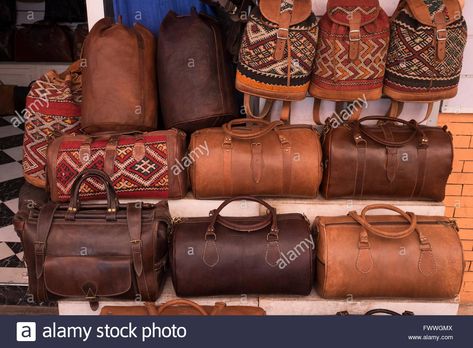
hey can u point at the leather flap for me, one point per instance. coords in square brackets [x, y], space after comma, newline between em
[340, 11]
[85, 276]
[421, 11]
[271, 9]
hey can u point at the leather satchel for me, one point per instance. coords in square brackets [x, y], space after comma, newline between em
[140, 165]
[180, 307]
[119, 79]
[403, 161]
[405, 256]
[193, 67]
[262, 159]
[94, 251]
[218, 255]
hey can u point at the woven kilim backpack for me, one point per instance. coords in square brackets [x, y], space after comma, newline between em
[53, 108]
[351, 53]
[425, 56]
[277, 54]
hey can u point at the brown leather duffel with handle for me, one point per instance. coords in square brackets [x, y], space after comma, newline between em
[405, 256]
[405, 161]
[181, 307]
[119, 79]
[94, 251]
[216, 255]
[261, 159]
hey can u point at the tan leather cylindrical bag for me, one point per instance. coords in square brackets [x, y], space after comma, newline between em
[259, 159]
[119, 79]
[404, 256]
[182, 307]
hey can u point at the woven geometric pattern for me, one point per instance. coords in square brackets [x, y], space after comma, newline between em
[53, 109]
[147, 178]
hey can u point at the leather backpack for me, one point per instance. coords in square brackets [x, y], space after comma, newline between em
[425, 56]
[351, 53]
[119, 79]
[277, 54]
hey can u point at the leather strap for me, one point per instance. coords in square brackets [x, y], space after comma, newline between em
[355, 35]
[268, 105]
[392, 163]
[421, 171]
[133, 215]
[360, 169]
[257, 162]
[45, 220]
[109, 158]
[252, 133]
[227, 165]
[440, 35]
[428, 113]
[286, 149]
[282, 36]
[395, 109]
[181, 302]
[285, 111]
[316, 111]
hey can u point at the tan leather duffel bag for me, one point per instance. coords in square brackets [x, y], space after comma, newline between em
[405, 256]
[180, 307]
[261, 159]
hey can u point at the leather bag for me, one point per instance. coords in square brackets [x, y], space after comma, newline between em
[94, 251]
[261, 159]
[270, 254]
[7, 100]
[180, 307]
[140, 165]
[404, 161]
[43, 42]
[119, 78]
[277, 32]
[405, 255]
[193, 67]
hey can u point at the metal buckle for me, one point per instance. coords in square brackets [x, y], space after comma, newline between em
[282, 37]
[358, 36]
[441, 31]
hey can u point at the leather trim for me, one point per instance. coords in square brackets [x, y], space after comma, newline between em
[420, 11]
[270, 9]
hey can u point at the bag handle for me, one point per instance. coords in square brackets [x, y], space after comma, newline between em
[112, 200]
[266, 127]
[388, 311]
[174, 303]
[362, 220]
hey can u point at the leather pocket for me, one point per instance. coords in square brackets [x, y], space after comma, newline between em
[87, 276]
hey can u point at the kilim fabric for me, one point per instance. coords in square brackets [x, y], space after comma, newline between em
[338, 76]
[52, 109]
[414, 70]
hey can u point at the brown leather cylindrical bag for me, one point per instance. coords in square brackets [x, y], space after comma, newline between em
[402, 255]
[119, 79]
[216, 255]
[261, 159]
[182, 307]
[394, 159]
[196, 85]
[91, 251]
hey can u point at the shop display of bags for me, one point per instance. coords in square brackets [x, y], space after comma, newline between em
[119, 79]
[53, 108]
[264, 159]
[196, 87]
[180, 307]
[112, 250]
[276, 33]
[404, 161]
[141, 165]
[388, 256]
[351, 53]
[242, 255]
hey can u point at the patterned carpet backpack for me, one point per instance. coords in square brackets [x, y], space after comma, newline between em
[277, 54]
[428, 38]
[52, 109]
[351, 53]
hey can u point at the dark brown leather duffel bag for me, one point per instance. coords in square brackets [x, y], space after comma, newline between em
[195, 80]
[264, 159]
[218, 255]
[119, 79]
[181, 307]
[386, 161]
[94, 251]
[404, 256]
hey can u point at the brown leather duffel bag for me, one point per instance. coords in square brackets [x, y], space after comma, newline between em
[386, 161]
[405, 256]
[94, 251]
[180, 307]
[119, 79]
[264, 159]
[196, 86]
[217, 255]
